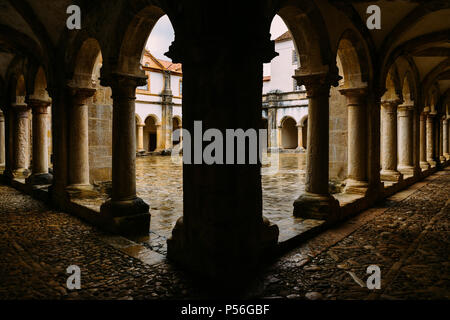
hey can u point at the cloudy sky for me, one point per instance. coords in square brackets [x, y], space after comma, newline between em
[162, 36]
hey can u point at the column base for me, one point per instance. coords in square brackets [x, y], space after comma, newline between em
[316, 206]
[406, 170]
[37, 179]
[442, 159]
[424, 165]
[300, 149]
[128, 217]
[391, 175]
[203, 259]
[356, 187]
[432, 163]
[21, 173]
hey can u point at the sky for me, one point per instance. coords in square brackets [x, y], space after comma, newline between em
[162, 36]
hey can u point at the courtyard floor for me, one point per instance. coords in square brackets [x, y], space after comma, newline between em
[407, 236]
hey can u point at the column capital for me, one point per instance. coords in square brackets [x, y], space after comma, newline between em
[316, 84]
[424, 115]
[354, 95]
[406, 107]
[431, 116]
[21, 109]
[391, 105]
[140, 125]
[80, 95]
[38, 106]
[124, 85]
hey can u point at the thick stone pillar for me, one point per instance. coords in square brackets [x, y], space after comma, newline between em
[431, 140]
[40, 174]
[357, 181]
[21, 137]
[445, 138]
[2, 140]
[79, 140]
[389, 142]
[222, 234]
[140, 137]
[316, 202]
[423, 141]
[405, 139]
[129, 214]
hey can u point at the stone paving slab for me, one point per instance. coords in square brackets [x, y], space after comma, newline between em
[407, 236]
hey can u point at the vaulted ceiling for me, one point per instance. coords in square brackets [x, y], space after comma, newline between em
[419, 29]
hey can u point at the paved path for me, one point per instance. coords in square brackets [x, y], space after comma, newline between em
[407, 237]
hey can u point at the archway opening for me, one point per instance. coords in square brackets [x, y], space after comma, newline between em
[289, 137]
[150, 135]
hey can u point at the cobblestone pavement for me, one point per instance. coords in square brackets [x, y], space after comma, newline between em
[409, 240]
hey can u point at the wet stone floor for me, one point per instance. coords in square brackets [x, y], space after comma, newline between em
[159, 183]
[407, 236]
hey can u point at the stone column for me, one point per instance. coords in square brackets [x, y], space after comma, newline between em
[140, 137]
[300, 138]
[431, 140]
[442, 140]
[2, 140]
[79, 140]
[405, 139]
[389, 141]
[272, 130]
[316, 202]
[129, 214]
[423, 141]
[40, 174]
[357, 181]
[21, 136]
[446, 138]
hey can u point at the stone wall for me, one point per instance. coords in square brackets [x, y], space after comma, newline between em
[100, 136]
[338, 135]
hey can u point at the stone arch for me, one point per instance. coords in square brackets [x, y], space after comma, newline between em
[134, 39]
[88, 55]
[408, 89]
[138, 119]
[289, 133]
[40, 85]
[152, 133]
[179, 120]
[20, 89]
[354, 60]
[392, 85]
[310, 35]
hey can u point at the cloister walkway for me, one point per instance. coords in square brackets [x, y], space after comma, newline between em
[407, 236]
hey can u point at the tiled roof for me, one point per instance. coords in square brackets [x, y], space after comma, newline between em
[150, 61]
[285, 36]
[266, 78]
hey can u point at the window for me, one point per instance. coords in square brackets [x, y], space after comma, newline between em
[294, 57]
[181, 87]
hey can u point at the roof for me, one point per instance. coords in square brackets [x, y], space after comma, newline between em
[150, 61]
[284, 37]
[266, 78]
